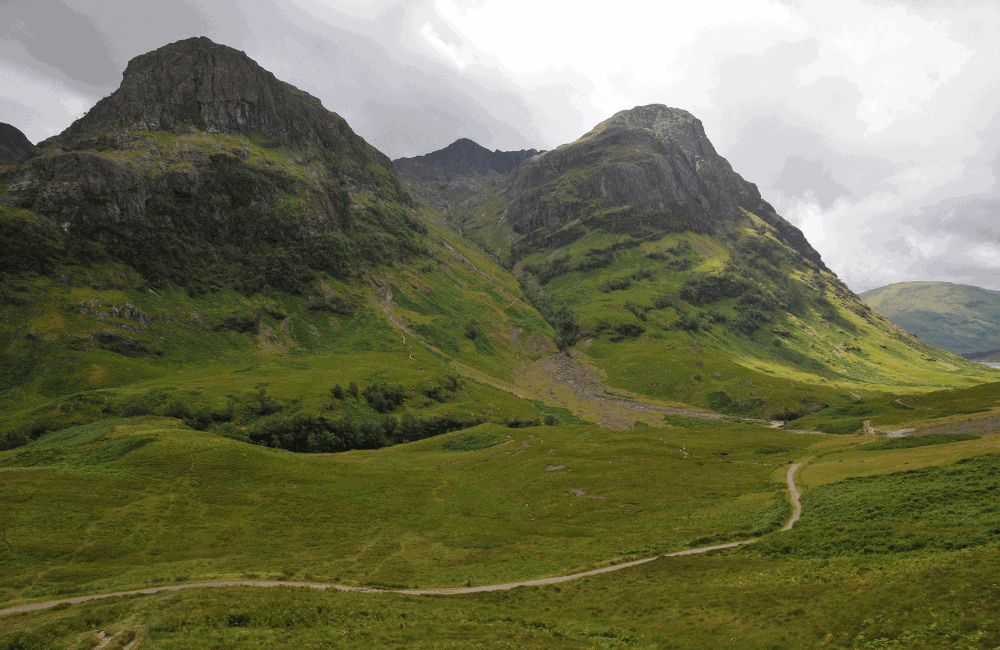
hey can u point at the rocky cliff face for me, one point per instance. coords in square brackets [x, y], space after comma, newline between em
[459, 171]
[197, 85]
[649, 164]
[203, 165]
[462, 157]
[14, 146]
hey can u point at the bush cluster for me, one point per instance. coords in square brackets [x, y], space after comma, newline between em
[561, 318]
[304, 433]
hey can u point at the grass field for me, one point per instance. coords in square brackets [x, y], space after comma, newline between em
[142, 502]
[127, 503]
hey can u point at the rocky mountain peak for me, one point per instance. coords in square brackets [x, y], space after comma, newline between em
[198, 85]
[675, 124]
[647, 165]
[461, 157]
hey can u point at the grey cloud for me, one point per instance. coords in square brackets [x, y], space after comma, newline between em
[898, 246]
[787, 137]
[15, 112]
[53, 34]
[974, 219]
[800, 176]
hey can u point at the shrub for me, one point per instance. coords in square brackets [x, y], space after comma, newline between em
[909, 442]
[337, 391]
[352, 388]
[636, 310]
[616, 284]
[136, 409]
[261, 403]
[383, 398]
[177, 409]
[520, 424]
[471, 331]
[841, 426]
[633, 330]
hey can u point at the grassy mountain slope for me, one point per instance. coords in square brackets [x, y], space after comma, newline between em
[237, 264]
[956, 317]
[667, 271]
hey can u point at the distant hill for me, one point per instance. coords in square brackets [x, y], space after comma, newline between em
[14, 145]
[956, 317]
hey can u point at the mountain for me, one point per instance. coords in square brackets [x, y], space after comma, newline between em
[209, 226]
[461, 158]
[661, 267]
[14, 145]
[649, 168]
[464, 182]
[204, 170]
[959, 318]
[210, 240]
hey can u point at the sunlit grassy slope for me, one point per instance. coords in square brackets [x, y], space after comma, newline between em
[80, 327]
[642, 312]
[956, 317]
[144, 502]
[121, 503]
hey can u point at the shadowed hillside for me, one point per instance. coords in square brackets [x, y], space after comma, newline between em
[14, 146]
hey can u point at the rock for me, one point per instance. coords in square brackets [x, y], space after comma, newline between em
[203, 169]
[647, 169]
[461, 158]
[197, 85]
[14, 145]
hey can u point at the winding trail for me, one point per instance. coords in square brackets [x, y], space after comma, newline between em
[796, 513]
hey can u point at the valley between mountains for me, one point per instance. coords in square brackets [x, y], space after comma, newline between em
[549, 399]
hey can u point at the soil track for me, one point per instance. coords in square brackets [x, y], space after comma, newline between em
[564, 381]
[796, 512]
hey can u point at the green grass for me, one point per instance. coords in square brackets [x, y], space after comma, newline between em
[901, 559]
[108, 507]
[944, 508]
[910, 442]
[463, 442]
[930, 600]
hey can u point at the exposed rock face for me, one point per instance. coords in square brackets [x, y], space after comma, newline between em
[202, 162]
[197, 85]
[14, 145]
[654, 160]
[459, 171]
[462, 157]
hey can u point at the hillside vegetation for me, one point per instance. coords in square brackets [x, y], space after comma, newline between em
[956, 317]
[237, 346]
[660, 266]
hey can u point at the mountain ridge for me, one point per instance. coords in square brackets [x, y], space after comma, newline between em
[463, 156]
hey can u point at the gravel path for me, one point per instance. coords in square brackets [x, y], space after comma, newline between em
[796, 513]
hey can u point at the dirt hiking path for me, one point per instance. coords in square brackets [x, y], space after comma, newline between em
[796, 513]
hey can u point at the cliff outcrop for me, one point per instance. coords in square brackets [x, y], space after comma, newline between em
[646, 165]
[204, 168]
[14, 145]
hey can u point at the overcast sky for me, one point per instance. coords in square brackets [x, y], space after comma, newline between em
[872, 125]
